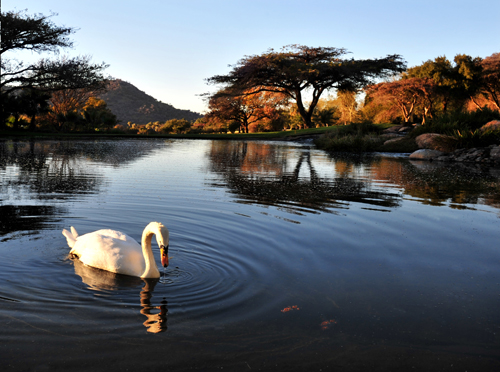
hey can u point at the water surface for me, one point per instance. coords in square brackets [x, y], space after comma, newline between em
[392, 264]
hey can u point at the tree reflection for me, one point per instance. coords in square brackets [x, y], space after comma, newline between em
[28, 217]
[440, 184]
[37, 175]
[275, 175]
[101, 280]
[41, 170]
[272, 175]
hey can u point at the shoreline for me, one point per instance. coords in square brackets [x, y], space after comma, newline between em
[489, 156]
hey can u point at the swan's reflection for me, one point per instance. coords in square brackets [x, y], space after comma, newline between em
[157, 321]
[101, 280]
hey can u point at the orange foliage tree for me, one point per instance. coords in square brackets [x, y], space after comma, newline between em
[490, 87]
[245, 109]
[405, 94]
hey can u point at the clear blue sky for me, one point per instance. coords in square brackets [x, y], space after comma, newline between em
[168, 48]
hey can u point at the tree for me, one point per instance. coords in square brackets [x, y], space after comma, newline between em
[347, 105]
[29, 103]
[245, 109]
[440, 71]
[36, 103]
[426, 89]
[454, 83]
[409, 95]
[326, 112]
[490, 79]
[36, 33]
[98, 115]
[401, 93]
[324, 116]
[298, 69]
[176, 126]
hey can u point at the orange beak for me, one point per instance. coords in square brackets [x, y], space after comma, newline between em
[164, 256]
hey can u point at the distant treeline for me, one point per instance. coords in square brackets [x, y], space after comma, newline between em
[296, 87]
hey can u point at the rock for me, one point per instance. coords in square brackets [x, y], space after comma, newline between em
[390, 135]
[435, 141]
[492, 125]
[405, 130]
[443, 158]
[425, 154]
[392, 140]
[393, 129]
[495, 153]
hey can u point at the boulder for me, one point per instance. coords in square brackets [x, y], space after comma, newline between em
[394, 129]
[495, 153]
[435, 141]
[492, 125]
[387, 136]
[425, 154]
[392, 140]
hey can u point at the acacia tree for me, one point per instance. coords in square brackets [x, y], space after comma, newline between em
[298, 69]
[37, 33]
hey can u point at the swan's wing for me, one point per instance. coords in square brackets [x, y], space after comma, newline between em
[70, 238]
[110, 250]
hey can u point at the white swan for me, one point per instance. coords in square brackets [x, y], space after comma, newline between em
[117, 252]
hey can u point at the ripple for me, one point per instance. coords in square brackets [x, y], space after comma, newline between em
[206, 280]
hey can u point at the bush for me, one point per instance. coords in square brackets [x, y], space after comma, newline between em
[477, 138]
[350, 143]
[464, 126]
[357, 137]
[458, 121]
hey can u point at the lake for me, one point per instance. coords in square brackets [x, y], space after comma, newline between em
[282, 258]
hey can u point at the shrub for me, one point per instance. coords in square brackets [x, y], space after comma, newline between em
[476, 138]
[358, 137]
[350, 143]
[458, 121]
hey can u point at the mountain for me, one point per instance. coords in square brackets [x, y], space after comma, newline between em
[129, 103]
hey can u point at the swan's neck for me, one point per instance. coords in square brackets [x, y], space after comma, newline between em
[151, 270]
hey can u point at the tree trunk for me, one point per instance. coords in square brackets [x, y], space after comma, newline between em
[305, 115]
[475, 103]
[32, 125]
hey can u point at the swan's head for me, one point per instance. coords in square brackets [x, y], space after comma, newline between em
[162, 238]
[164, 255]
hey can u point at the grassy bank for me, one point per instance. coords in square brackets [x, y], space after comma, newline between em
[463, 128]
[226, 136]
[358, 137]
[363, 137]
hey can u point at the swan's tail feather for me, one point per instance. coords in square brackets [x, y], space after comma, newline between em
[70, 236]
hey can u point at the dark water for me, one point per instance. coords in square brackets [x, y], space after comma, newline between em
[394, 265]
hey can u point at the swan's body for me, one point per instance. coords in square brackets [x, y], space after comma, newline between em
[117, 252]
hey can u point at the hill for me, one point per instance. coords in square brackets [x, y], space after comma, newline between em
[129, 103]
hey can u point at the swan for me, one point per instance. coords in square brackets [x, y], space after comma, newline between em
[117, 252]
